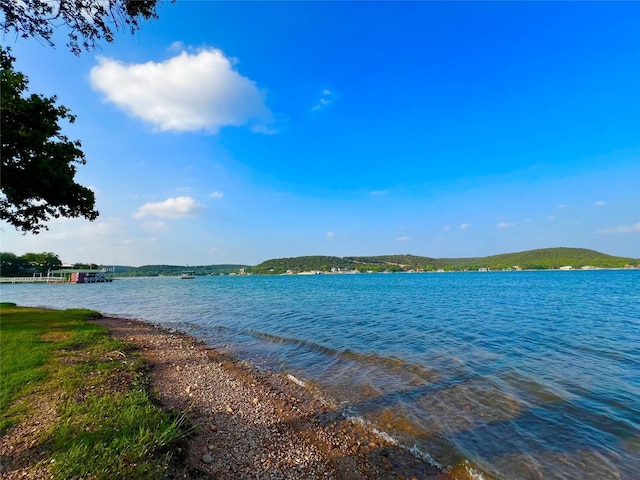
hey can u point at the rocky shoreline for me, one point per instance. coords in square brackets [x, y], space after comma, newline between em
[250, 424]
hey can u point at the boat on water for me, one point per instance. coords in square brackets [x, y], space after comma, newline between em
[187, 275]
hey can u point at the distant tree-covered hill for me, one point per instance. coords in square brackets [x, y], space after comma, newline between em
[545, 258]
[175, 270]
[301, 264]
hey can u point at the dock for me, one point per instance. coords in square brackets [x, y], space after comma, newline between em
[65, 275]
[32, 280]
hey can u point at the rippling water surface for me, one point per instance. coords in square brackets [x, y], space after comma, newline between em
[506, 374]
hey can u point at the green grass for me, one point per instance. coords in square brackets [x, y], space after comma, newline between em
[105, 424]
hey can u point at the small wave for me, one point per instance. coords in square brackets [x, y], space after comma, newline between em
[414, 450]
[392, 364]
[424, 456]
[292, 341]
[297, 381]
[467, 471]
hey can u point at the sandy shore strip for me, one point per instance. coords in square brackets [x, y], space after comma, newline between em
[251, 424]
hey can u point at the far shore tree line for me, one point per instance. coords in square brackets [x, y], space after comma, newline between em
[540, 259]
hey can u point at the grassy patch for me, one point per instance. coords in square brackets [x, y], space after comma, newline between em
[80, 396]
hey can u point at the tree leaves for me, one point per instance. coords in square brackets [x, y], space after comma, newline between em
[88, 21]
[38, 161]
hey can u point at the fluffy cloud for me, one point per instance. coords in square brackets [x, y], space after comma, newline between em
[189, 92]
[330, 234]
[155, 225]
[326, 99]
[622, 229]
[465, 226]
[64, 229]
[171, 208]
[216, 194]
[403, 239]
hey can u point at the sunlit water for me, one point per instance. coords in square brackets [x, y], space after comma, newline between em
[521, 375]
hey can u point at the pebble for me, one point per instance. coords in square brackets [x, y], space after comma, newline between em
[266, 445]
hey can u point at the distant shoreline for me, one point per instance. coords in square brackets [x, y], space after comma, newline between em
[557, 258]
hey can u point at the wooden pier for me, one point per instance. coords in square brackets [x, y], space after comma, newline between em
[32, 280]
[66, 275]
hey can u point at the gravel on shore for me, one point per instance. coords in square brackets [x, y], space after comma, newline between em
[251, 424]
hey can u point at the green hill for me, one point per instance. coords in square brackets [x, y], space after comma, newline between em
[545, 258]
[549, 258]
[175, 270]
[301, 264]
[540, 259]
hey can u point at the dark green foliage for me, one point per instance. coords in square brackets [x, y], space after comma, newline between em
[394, 263]
[87, 21]
[301, 264]
[38, 161]
[28, 264]
[87, 266]
[42, 262]
[543, 258]
[10, 264]
[175, 270]
[546, 258]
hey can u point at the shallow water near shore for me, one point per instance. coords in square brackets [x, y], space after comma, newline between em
[505, 374]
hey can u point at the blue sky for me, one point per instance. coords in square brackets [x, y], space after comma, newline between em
[238, 132]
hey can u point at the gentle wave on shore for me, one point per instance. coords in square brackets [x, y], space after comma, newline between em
[509, 374]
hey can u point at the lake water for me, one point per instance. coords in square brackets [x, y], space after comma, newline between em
[508, 375]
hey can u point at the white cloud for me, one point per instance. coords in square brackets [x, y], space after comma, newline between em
[155, 225]
[465, 226]
[330, 234]
[263, 129]
[188, 92]
[171, 208]
[65, 229]
[176, 46]
[622, 229]
[216, 194]
[326, 99]
[403, 239]
[505, 225]
[599, 203]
